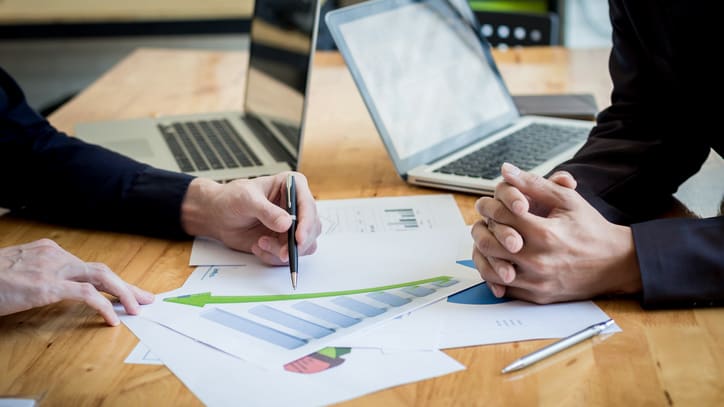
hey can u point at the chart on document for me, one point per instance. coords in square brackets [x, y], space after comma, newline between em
[351, 216]
[393, 214]
[270, 330]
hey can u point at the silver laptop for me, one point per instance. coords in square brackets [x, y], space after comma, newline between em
[437, 99]
[263, 139]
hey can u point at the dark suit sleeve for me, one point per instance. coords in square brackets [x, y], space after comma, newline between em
[50, 176]
[681, 261]
[646, 144]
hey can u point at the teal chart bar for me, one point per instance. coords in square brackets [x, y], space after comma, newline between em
[418, 291]
[326, 314]
[255, 329]
[358, 306]
[389, 299]
[291, 321]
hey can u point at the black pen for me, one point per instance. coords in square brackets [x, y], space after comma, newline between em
[292, 240]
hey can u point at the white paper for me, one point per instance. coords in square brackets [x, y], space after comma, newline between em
[247, 331]
[389, 214]
[142, 355]
[218, 379]
[347, 261]
[404, 333]
[206, 251]
[364, 215]
[469, 325]
[476, 317]
[463, 325]
[16, 402]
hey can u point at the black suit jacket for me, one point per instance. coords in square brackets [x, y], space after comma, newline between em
[658, 132]
[46, 175]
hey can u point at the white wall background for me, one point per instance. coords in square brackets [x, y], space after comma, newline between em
[586, 24]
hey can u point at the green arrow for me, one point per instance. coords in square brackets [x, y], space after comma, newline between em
[201, 299]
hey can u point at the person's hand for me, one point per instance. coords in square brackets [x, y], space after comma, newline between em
[569, 253]
[250, 215]
[509, 237]
[41, 273]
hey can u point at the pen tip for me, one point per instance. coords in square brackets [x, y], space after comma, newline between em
[294, 280]
[517, 365]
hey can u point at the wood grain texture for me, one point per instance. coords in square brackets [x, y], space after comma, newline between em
[64, 354]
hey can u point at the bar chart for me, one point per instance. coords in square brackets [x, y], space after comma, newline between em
[291, 325]
[275, 329]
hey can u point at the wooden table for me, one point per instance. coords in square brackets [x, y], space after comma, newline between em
[64, 354]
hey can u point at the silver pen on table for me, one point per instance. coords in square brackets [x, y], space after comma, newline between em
[558, 346]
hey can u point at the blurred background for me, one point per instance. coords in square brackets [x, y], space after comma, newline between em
[56, 48]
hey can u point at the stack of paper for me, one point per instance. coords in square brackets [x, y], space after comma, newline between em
[235, 327]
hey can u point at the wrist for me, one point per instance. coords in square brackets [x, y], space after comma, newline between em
[625, 268]
[197, 207]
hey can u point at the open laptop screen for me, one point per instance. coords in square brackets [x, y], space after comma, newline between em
[426, 75]
[282, 43]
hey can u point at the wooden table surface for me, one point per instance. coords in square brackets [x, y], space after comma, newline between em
[65, 355]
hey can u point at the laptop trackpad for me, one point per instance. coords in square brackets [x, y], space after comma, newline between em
[134, 147]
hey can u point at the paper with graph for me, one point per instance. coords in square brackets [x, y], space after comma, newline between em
[328, 376]
[270, 330]
[363, 215]
[377, 259]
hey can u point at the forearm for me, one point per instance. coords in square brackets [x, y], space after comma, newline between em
[55, 178]
[681, 262]
[49, 176]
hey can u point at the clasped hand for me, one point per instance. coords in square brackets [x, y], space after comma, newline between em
[541, 241]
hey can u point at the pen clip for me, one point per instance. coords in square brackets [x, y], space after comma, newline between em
[289, 190]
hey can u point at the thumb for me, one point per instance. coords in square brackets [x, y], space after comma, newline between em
[271, 215]
[537, 188]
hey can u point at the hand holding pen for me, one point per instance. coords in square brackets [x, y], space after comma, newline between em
[251, 215]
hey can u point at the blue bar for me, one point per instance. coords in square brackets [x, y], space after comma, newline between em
[446, 283]
[389, 299]
[357, 306]
[254, 329]
[325, 314]
[418, 291]
[292, 322]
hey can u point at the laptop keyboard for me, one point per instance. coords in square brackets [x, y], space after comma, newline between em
[268, 138]
[207, 144]
[527, 148]
[290, 133]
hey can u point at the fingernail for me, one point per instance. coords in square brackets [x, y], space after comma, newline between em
[510, 243]
[497, 291]
[509, 276]
[264, 244]
[518, 207]
[510, 170]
